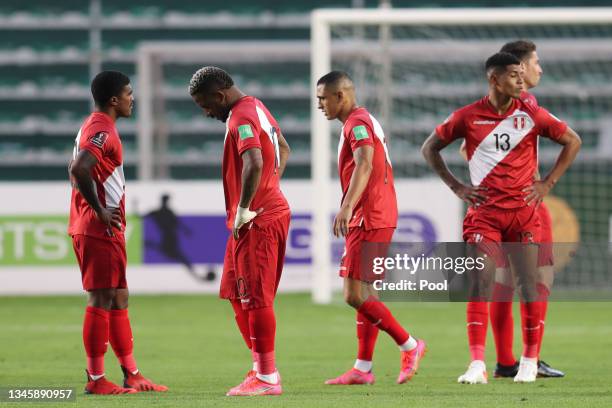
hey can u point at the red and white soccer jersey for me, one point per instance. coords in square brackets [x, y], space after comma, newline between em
[375, 213]
[251, 125]
[501, 149]
[100, 254]
[253, 263]
[377, 206]
[99, 136]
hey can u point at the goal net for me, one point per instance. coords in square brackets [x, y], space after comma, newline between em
[413, 67]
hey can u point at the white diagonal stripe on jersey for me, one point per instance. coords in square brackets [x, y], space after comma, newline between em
[114, 188]
[340, 143]
[229, 115]
[487, 156]
[380, 134]
[77, 142]
[267, 127]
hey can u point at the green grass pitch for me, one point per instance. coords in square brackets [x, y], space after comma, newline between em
[191, 344]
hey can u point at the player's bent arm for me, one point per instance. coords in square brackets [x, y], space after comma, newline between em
[431, 152]
[80, 170]
[363, 157]
[284, 151]
[252, 167]
[571, 143]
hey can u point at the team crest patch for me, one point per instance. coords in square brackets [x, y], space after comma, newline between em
[245, 132]
[520, 122]
[99, 139]
[360, 132]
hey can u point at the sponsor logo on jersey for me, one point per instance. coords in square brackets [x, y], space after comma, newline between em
[484, 122]
[360, 132]
[99, 139]
[245, 132]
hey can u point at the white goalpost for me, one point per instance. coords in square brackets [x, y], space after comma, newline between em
[415, 66]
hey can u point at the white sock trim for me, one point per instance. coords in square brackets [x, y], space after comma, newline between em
[532, 360]
[410, 344]
[269, 378]
[363, 365]
[478, 363]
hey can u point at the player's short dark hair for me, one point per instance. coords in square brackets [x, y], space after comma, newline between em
[209, 79]
[333, 77]
[499, 61]
[106, 85]
[521, 49]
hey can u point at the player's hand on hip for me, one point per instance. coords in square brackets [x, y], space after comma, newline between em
[536, 192]
[243, 216]
[111, 218]
[472, 195]
[342, 220]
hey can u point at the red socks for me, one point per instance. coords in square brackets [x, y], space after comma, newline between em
[242, 319]
[367, 334]
[378, 314]
[533, 316]
[262, 327]
[121, 338]
[502, 323]
[101, 327]
[258, 329]
[543, 293]
[95, 338]
[530, 323]
[477, 317]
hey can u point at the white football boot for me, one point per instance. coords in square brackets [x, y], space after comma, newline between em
[528, 370]
[475, 374]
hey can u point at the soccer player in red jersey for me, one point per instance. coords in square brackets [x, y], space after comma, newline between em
[97, 224]
[501, 312]
[501, 132]
[254, 158]
[368, 214]
[500, 309]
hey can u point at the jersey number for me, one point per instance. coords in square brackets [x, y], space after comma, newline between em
[502, 142]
